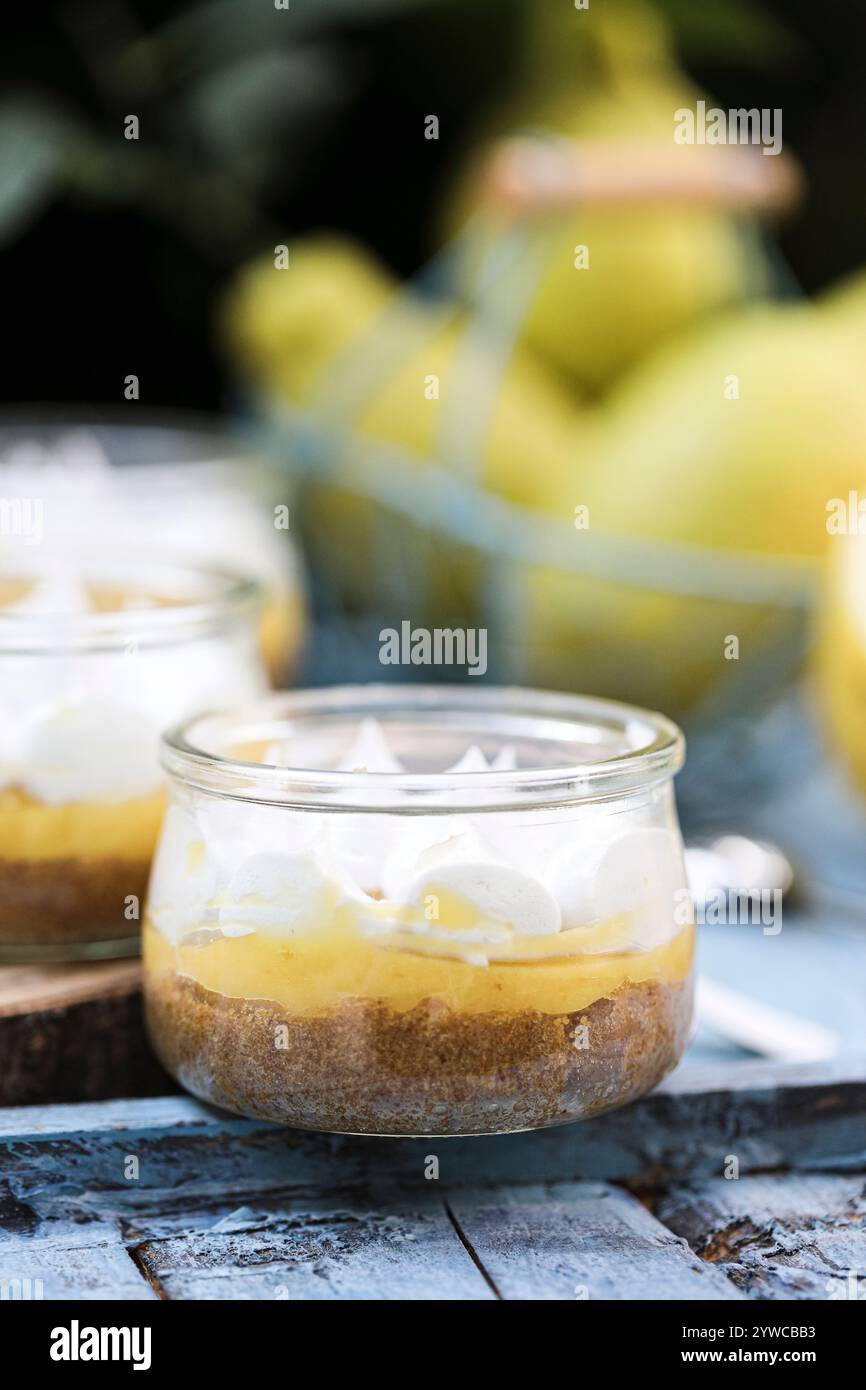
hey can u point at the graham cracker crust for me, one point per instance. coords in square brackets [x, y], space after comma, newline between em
[67, 901]
[366, 1069]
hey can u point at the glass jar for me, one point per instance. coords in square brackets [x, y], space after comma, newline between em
[420, 910]
[176, 484]
[98, 655]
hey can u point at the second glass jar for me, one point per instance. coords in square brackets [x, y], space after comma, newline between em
[98, 653]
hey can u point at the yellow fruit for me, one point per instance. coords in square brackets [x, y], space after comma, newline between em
[841, 664]
[649, 276]
[377, 370]
[613, 283]
[736, 436]
[284, 326]
[845, 301]
[335, 333]
[844, 308]
[704, 501]
[649, 269]
[627, 636]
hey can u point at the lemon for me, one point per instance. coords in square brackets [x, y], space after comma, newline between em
[610, 281]
[714, 464]
[402, 393]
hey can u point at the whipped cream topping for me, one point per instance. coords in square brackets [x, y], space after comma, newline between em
[480, 888]
[88, 727]
[199, 511]
[370, 751]
[85, 725]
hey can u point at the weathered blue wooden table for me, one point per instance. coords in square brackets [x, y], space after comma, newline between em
[169, 1199]
[166, 1198]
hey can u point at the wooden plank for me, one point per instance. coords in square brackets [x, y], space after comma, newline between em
[74, 1032]
[219, 1207]
[57, 1271]
[178, 1171]
[44, 1123]
[778, 1237]
[27, 989]
[580, 1241]
[804, 1117]
[320, 1250]
[67, 1220]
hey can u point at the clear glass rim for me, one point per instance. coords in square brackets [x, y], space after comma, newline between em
[659, 754]
[32, 633]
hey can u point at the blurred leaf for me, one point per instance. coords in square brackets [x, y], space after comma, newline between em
[242, 112]
[225, 29]
[736, 31]
[32, 145]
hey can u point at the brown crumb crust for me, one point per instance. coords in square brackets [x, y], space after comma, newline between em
[66, 901]
[366, 1069]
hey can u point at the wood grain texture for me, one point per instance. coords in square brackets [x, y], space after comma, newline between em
[102, 1270]
[778, 1236]
[74, 1032]
[805, 1117]
[580, 1241]
[169, 1198]
[320, 1250]
[26, 989]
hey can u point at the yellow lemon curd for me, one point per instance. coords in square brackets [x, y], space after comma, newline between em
[31, 829]
[280, 630]
[317, 970]
[84, 830]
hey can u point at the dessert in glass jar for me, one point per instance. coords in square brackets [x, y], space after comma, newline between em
[187, 489]
[420, 910]
[97, 655]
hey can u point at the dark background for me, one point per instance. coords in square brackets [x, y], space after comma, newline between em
[99, 278]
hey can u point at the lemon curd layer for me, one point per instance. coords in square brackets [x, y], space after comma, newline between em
[280, 628]
[100, 598]
[313, 973]
[85, 830]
